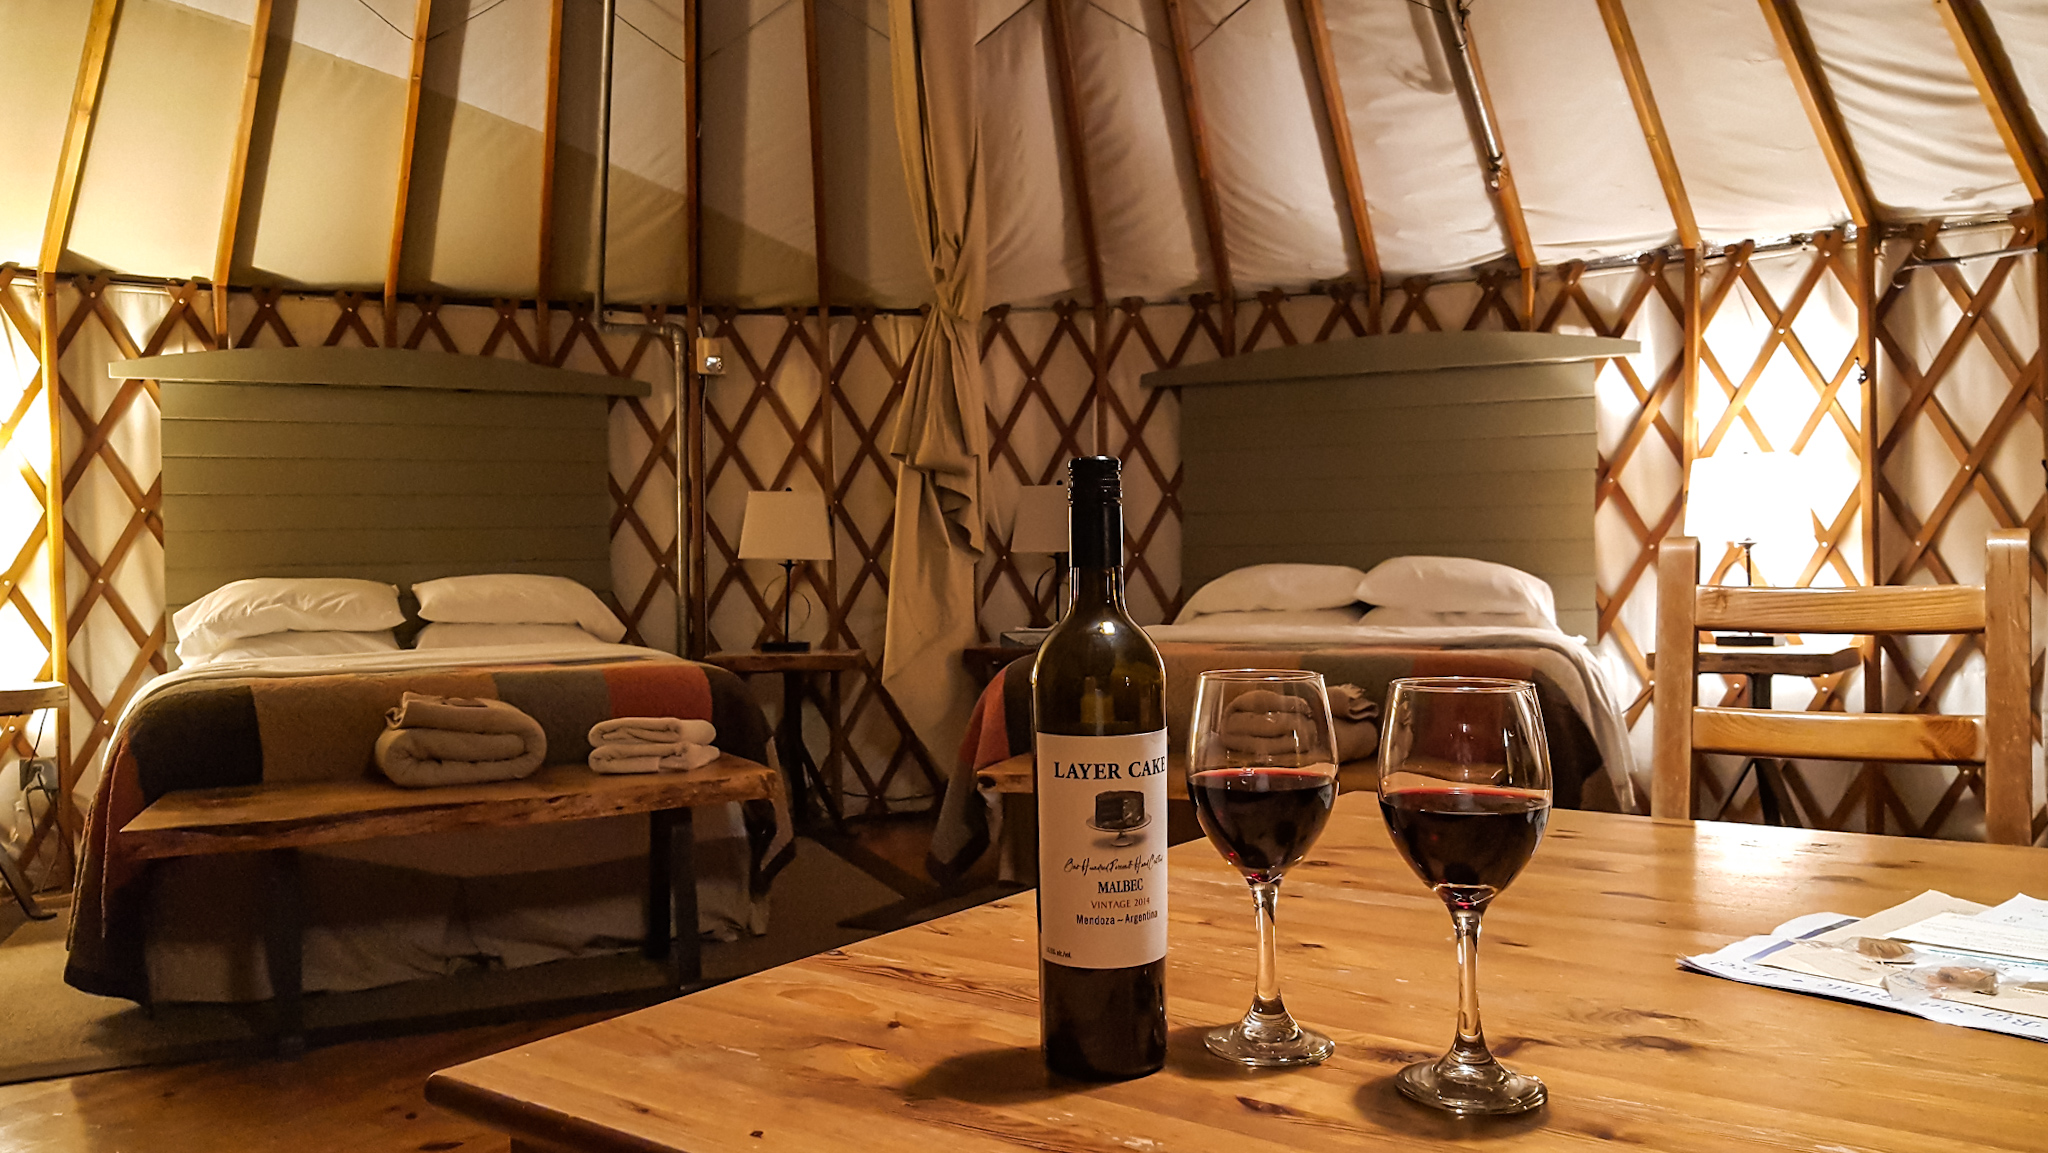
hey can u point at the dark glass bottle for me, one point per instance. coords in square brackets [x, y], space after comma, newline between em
[1099, 697]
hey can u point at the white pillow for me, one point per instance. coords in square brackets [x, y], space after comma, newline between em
[1452, 584]
[517, 599]
[1326, 618]
[264, 605]
[1275, 588]
[467, 636]
[290, 644]
[1393, 618]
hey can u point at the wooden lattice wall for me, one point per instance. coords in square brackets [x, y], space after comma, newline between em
[1957, 450]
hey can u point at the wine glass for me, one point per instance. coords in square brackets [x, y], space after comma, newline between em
[1465, 788]
[1262, 772]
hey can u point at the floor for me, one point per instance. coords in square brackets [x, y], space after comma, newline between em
[358, 1096]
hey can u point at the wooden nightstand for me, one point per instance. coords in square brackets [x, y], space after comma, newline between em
[1757, 664]
[983, 662]
[19, 701]
[796, 670]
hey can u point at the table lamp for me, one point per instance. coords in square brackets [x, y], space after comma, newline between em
[1042, 528]
[786, 526]
[1746, 497]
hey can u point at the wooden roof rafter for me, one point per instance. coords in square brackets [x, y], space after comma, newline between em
[1205, 177]
[417, 73]
[1990, 70]
[238, 172]
[1455, 28]
[1795, 45]
[78, 126]
[1338, 116]
[1615, 16]
[544, 249]
[1068, 84]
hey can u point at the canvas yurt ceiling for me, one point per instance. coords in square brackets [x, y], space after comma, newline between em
[324, 162]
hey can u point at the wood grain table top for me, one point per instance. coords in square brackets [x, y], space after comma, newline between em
[927, 1038]
[193, 822]
[20, 699]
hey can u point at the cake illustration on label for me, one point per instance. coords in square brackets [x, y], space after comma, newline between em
[1121, 812]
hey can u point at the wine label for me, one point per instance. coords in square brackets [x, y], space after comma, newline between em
[1102, 850]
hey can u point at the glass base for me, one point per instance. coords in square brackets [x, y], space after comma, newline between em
[1281, 1048]
[1488, 1088]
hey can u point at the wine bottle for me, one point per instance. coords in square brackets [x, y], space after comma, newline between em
[1098, 692]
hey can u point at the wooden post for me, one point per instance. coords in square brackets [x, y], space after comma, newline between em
[238, 171]
[1678, 576]
[412, 122]
[1205, 179]
[544, 270]
[829, 482]
[1339, 119]
[691, 595]
[1084, 202]
[85, 103]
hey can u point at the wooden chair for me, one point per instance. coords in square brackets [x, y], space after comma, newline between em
[2000, 740]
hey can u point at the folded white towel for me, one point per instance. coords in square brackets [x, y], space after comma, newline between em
[653, 730]
[670, 758]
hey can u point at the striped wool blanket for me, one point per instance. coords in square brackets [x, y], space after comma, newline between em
[1000, 727]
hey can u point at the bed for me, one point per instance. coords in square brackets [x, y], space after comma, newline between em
[1318, 461]
[290, 467]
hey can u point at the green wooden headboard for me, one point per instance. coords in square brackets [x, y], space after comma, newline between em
[385, 464]
[1353, 451]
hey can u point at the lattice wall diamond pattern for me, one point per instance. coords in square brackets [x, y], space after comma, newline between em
[1956, 457]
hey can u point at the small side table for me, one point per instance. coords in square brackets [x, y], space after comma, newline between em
[21, 701]
[983, 662]
[1757, 665]
[796, 669]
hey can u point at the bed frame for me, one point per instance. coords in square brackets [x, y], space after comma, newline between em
[1352, 451]
[385, 464]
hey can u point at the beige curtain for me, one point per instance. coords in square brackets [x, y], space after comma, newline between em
[941, 435]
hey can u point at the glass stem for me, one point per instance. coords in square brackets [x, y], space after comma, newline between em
[1265, 904]
[1470, 1047]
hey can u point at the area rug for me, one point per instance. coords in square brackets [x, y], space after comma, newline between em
[49, 1029]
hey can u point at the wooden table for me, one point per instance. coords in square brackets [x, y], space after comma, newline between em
[280, 819]
[927, 1038]
[1757, 664]
[796, 669]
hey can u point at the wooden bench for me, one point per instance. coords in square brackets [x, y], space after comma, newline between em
[279, 820]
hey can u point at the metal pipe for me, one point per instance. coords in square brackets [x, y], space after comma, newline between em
[677, 337]
[1451, 16]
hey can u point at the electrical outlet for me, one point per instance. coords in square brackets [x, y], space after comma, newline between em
[39, 776]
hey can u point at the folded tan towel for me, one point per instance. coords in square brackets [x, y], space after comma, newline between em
[1357, 718]
[458, 741]
[653, 730]
[1267, 723]
[671, 758]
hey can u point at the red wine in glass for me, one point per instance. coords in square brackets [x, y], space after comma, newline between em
[1263, 819]
[1466, 841]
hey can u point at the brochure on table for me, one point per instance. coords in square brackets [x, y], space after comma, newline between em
[1817, 954]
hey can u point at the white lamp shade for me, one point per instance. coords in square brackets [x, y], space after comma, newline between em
[785, 526]
[1041, 519]
[1765, 497]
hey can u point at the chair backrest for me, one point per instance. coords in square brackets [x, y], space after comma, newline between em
[2000, 740]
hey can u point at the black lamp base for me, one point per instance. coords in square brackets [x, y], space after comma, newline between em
[785, 646]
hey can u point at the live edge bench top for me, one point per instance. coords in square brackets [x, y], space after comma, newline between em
[276, 816]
